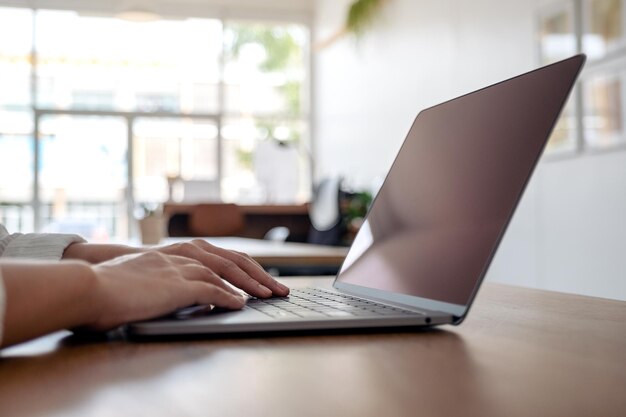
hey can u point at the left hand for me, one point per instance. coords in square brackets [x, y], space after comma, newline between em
[235, 267]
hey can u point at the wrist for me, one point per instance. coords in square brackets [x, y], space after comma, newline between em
[86, 288]
[94, 253]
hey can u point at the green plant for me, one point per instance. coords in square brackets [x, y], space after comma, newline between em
[283, 52]
[357, 205]
[354, 206]
[361, 14]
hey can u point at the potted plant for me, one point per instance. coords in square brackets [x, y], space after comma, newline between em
[151, 223]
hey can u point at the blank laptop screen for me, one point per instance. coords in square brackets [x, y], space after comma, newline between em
[439, 216]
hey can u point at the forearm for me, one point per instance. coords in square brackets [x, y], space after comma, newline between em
[44, 297]
[95, 253]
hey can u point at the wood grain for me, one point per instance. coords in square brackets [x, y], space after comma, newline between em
[521, 352]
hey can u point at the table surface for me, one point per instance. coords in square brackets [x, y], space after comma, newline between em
[269, 253]
[521, 352]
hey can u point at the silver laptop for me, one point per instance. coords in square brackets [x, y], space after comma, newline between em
[433, 229]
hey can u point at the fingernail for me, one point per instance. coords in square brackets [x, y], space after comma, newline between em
[264, 289]
[282, 286]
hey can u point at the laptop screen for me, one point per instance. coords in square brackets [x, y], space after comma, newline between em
[438, 218]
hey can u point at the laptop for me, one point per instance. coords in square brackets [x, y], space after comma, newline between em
[434, 227]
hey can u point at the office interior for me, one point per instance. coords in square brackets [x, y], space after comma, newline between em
[137, 104]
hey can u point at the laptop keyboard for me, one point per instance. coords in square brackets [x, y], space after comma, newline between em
[320, 303]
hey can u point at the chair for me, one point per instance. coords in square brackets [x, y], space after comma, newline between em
[327, 227]
[216, 219]
[277, 234]
[325, 216]
[205, 220]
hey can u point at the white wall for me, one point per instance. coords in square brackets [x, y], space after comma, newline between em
[569, 233]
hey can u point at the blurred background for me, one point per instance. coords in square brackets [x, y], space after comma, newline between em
[110, 105]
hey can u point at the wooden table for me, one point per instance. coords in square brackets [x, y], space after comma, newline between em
[521, 352]
[279, 254]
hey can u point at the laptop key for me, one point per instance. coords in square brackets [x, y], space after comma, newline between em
[281, 314]
[316, 303]
[309, 313]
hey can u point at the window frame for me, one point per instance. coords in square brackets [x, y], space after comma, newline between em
[613, 61]
[224, 16]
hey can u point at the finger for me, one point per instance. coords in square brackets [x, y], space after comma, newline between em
[202, 273]
[252, 268]
[250, 258]
[206, 293]
[232, 273]
[249, 266]
[224, 267]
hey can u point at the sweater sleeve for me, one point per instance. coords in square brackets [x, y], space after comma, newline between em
[48, 246]
[33, 246]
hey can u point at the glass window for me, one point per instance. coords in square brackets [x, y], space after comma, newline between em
[557, 39]
[236, 92]
[16, 170]
[83, 176]
[170, 153]
[604, 26]
[563, 138]
[265, 161]
[16, 28]
[604, 110]
[167, 65]
[264, 69]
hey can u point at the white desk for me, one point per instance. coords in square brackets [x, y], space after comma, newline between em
[278, 254]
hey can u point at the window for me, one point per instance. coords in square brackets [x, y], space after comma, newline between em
[122, 113]
[604, 22]
[16, 29]
[594, 116]
[604, 89]
[264, 86]
[604, 115]
[557, 36]
[83, 178]
[16, 171]
[175, 149]
[16, 120]
[151, 66]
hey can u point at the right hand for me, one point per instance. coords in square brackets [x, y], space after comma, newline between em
[146, 285]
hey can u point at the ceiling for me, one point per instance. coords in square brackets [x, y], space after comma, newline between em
[293, 9]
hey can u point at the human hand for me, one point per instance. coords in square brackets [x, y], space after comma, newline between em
[235, 267]
[145, 285]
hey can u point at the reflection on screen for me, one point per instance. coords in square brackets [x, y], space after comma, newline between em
[448, 197]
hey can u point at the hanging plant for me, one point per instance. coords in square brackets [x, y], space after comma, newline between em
[361, 14]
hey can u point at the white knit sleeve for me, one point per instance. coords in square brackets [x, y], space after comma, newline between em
[35, 245]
